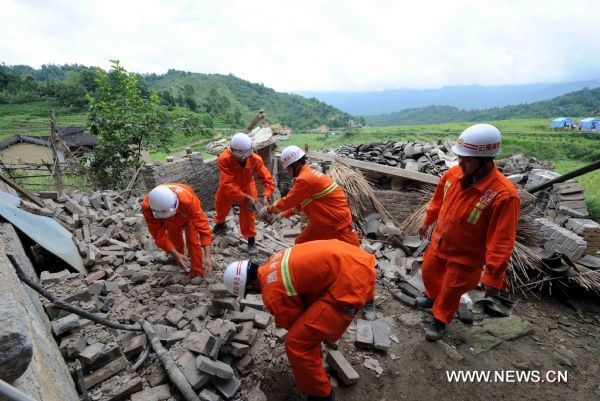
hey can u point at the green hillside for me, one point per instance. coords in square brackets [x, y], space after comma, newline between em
[212, 97]
[585, 102]
[210, 91]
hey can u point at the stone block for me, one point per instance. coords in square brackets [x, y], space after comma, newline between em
[364, 333]
[68, 323]
[261, 319]
[187, 364]
[134, 346]
[49, 278]
[112, 353]
[72, 346]
[95, 276]
[253, 301]
[238, 317]
[226, 303]
[247, 334]
[128, 388]
[223, 329]
[381, 335]
[227, 387]
[219, 290]
[342, 367]
[92, 353]
[203, 343]
[207, 395]
[105, 372]
[158, 393]
[214, 368]
[174, 316]
[281, 333]
[238, 349]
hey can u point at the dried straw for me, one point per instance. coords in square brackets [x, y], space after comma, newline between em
[358, 191]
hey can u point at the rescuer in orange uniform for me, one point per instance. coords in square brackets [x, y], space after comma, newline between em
[321, 199]
[171, 208]
[476, 211]
[237, 166]
[313, 290]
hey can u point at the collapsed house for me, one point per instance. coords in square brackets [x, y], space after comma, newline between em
[220, 345]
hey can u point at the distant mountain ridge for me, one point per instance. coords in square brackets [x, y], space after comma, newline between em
[463, 97]
[224, 97]
[585, 102]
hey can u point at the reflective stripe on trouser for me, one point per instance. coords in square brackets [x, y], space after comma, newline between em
[321, 321]
[445, 282]
[313, 232]
[247, 221]
[192, 239]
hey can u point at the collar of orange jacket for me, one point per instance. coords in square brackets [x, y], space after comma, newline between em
[482, 184]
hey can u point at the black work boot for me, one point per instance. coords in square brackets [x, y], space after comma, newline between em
[424, 302]
[369, 310]
[435, 330]
[252, 246]
[219, 229]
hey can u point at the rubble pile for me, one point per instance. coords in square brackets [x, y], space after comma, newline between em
[565, 225]
[413, 156]
[222, 346]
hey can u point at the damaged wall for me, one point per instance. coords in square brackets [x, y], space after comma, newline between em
[192, 170]
[47, 376]
[400, 204]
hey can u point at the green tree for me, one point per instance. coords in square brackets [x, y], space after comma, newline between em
[126, 123]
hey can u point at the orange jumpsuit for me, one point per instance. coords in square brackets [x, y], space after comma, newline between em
[313, 290]
[475, 227]
[190, 217]
[237, 180]
[325, 204]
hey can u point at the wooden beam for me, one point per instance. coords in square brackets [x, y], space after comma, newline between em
[378, 168]
[20, 190]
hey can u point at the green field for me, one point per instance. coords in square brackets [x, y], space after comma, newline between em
[532, 137]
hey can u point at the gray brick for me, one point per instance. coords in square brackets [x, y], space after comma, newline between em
[340, 365]
[364, 333]
[214, 368]
[228, 388]
[207, 395]
[187, 363]
[381, 335]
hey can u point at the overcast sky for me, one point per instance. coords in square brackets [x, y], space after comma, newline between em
[316, 45]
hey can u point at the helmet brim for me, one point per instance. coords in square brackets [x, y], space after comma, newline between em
[460, 151]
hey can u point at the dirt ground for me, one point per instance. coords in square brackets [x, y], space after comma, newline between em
[562, 339]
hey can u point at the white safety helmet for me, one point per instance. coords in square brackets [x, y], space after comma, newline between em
[235, 277]
[163, 202]
[290, 155]
[479, 140]
[241, 146]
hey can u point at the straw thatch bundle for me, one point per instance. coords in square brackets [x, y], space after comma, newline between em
[358, 191]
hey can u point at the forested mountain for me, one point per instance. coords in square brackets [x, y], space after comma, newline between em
[210, 96]
[585, 102]
[466, 97]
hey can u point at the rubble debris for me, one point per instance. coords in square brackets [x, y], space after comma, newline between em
[416, 156]
[345, 372]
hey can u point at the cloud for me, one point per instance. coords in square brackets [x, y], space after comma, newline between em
[315, 45]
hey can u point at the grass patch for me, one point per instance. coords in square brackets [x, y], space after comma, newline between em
[34, 118]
